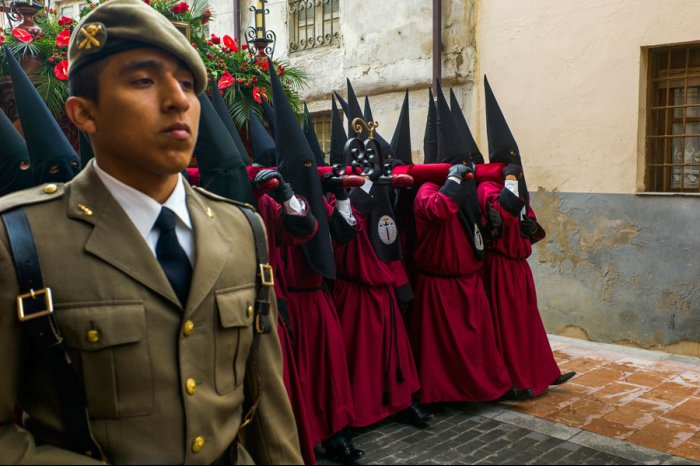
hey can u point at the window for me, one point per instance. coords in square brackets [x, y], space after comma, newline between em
[673, 131]
[313, 23]
[322, 126]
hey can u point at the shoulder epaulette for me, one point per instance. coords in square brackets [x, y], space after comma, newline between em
[32, 196]
[216, 197]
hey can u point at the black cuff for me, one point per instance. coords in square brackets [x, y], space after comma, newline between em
[509, 201]
[404, 293]
[455, 191]
[341, 231]
[299, 225]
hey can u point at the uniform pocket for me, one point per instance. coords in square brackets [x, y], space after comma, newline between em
[234, 335]
[110, 339]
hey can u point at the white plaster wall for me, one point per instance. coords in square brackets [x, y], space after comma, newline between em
[222, 22]
[570, 78]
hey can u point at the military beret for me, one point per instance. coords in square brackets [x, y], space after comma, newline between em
[119, 25]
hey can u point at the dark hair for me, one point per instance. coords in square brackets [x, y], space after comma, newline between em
[84, 83]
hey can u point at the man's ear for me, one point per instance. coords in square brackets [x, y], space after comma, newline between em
[81, 112]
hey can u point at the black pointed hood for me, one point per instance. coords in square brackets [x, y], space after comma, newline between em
[338, 137]
[264, 150]
[269, 115]
[53, 158]
[401, 141]
[450, 144]
[430, 149]
[221, 166]
[502, 145]
[86, 152]
[297, 164]
[15, 164]
[464, 131]
[221, 108]
[353, 112]
[387, 149]
[343, 104]
[312, 139]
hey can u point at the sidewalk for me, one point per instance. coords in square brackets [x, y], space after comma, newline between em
[643, 397]
[625, 406]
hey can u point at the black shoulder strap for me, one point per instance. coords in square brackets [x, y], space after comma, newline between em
[35, 311]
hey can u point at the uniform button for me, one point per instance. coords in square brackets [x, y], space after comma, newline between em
[188, 328]
[250, 311]
[50, 188]
[191, 386]
[93, 336]
[197, 444]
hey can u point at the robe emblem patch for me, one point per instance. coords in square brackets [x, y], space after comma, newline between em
[478, 240]
[387, 230]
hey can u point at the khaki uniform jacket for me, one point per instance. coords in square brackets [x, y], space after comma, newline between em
[158, 379]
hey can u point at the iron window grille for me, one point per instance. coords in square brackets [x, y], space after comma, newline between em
[673, 127]
[313, 23]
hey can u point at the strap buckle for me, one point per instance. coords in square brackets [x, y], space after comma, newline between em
[48, 303]
[267, 276]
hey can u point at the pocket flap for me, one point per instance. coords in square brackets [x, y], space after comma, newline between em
[94, 327]
[235, 306]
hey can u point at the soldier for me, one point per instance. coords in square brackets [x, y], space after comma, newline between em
[154, 285]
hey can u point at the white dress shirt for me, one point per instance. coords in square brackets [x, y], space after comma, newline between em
[143, 211]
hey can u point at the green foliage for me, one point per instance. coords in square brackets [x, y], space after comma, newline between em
[242, 76]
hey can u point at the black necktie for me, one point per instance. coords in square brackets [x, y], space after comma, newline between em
[172, 257]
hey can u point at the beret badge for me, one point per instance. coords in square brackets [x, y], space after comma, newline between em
[93, 37]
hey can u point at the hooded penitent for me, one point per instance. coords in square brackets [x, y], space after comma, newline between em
[463, 129]
[387, 149]
[53, 158]
[376, 205]
[353, 111]
[297, 165]
[15, 164]
[502, 145]
[452, 150]
[430, 136]
[401, 141]
[312, 139]
[343, 104]
[221, 166]
[269, 115]
[219, 104]
[338, 137]
[264, 150]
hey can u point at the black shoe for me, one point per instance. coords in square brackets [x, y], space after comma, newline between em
[340, 448]
[414, 416]
[563, 378]
[516, 394]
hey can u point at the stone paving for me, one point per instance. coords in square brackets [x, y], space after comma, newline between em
[626, 406]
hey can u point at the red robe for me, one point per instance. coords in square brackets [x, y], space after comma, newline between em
[382, 370]
[278, 236]
[319, 347]
[521, 334]
[451, 326]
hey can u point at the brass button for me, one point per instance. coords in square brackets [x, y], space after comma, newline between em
[50, 188]
[93, 336]
[188, 328]
[191, 386]
[250, 311]
[198, 444]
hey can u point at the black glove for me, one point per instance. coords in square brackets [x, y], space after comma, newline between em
[528, 227]
[280, 194]
[334, 185]
[495, 218]
[460, 171]
[513, 169]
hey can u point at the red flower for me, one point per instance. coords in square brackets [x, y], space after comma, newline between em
[65, 21]
[148, 2]
[256, 94]
[215, 39]
[63, 38]
[206, 16]
[181, 7]
[61, 70]
[226, 80]
[22, 35]
[244, 46]
[264, 65]
[230, 43]
[2, 39]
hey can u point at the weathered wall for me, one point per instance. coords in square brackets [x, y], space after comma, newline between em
[620, 268]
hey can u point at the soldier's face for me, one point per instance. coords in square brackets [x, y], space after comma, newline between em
[147, 114]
